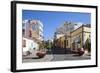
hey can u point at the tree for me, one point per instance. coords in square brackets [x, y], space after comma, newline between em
[41, 45]
[48, 44]
[88, 45]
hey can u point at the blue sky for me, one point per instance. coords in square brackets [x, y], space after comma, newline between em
[52, 20]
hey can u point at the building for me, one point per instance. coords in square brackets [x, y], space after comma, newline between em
[72, 36]
[62, 35]
[79, 36]
[32, 34]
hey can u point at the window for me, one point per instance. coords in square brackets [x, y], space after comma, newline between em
[23, 32]
[34, 27]
[23, 25]
[67, 42]
[41, 35]
[31, 44]
[30, 33]
[23, 43]
[89, 36]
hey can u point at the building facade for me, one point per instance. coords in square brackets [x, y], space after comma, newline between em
[64, 33]
[74, 37]
[79, 37]
[32, 34]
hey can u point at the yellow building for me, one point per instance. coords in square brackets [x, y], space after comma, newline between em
[59, 42]
[79, 37]
[74, 39]
[63, 42]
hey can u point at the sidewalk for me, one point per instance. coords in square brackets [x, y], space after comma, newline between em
[33, 58]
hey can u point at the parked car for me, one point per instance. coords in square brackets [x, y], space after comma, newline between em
[81, 51]
[41, 53]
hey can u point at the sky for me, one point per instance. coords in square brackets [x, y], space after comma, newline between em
[53, 20]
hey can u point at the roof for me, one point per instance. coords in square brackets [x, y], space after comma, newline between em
[87, 25]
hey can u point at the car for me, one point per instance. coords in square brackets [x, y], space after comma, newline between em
[80, 51]
[40, 53]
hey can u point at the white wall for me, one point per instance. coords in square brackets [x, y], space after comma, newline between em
[5, 37]
[30, 44]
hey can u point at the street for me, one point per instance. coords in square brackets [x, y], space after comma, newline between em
[55, 57]
[69, 57]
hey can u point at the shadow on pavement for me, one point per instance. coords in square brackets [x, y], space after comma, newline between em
[31, 58]
[59, 51]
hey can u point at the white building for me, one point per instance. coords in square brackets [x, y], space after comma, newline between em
[32, 35]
